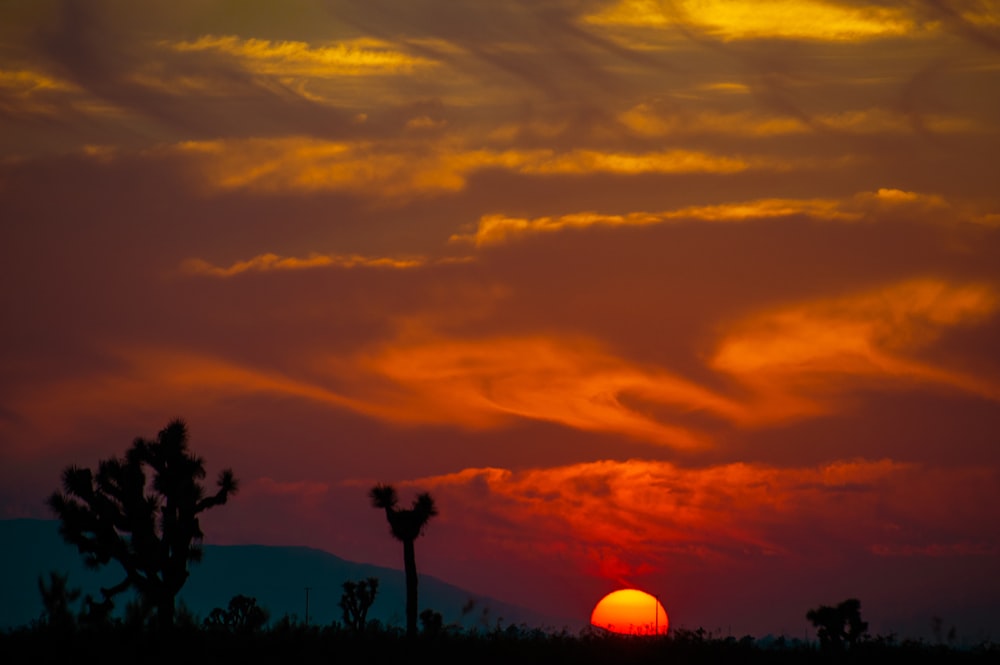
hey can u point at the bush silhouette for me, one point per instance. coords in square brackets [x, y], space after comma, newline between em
[243, 614]
[840, 625]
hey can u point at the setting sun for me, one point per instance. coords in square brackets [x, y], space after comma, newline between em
[630, 612]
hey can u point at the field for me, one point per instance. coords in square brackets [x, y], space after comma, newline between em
[287, 642]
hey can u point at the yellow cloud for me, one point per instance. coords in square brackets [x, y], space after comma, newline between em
[406, 168]
[496, 229]
[360, 57]
[646, 120]
[304, 164]
[670, 161]
[268, 262]
[865, 206]
[763, 19]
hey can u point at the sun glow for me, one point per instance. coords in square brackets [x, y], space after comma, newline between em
[630, 612]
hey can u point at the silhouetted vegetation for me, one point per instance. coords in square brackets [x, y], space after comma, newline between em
[57, 600]
[289, 640]
[840, 626]
[355, 601]
[406, 525]
[148, 525]
[431, 623]
[243, 614]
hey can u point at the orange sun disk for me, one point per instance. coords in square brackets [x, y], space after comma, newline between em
[630, 612]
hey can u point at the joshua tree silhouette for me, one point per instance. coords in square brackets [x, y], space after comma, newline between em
[150, 528]
[356, 600]
[406, 526]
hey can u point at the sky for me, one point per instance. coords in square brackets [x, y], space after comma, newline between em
[697, 297]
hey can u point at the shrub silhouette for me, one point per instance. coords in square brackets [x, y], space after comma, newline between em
[431, 622]
[355, 601]
[148, 525]
[243, 614]
[57, 598]
[406, 526]
[838, 625]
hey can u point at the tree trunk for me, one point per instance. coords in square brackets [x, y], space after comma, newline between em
[410, 563]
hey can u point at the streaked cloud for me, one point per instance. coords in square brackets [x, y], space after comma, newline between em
[304, 164]
[767, 19]
[495, 228]
[670, 161]
[802, 358]
[647, 120]
[405, 168]
[566, 380]
[360, 57]
[268, 262]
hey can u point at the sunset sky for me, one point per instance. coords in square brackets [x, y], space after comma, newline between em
[700, 297]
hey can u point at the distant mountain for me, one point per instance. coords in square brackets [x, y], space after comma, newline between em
[276, 576]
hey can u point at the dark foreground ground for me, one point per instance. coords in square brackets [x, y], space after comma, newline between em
[294, 644]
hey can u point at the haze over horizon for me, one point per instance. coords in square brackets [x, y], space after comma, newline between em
[699, 297]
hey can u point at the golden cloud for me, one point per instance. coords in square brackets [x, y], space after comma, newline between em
[496, 229]
[763, 19]
[270, 262]
[361, 57]
[305, 164]
[671, 161]
[406, 168]
[647, 120]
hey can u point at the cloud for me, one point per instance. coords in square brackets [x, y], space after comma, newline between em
[401, 168]
[652, 120]
[670, 161]
[395, 169]
[177, 378]
[271, 262]
[866, 206]
[654, 515]
[764, 19]
[571, 381]
[796, 357]
[360, 57]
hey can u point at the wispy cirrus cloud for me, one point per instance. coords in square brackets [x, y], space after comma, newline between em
[359, 57]
[801, 358]
[571, 381]
[497, 228]
[648, 120]
[412, 167]
[769, 19]
[273, 262]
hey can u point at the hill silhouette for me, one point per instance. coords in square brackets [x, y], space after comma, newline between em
[276, 576]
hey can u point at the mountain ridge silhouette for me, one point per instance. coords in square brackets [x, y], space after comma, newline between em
[277, 576]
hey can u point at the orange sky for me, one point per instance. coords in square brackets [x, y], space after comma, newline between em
[701, 297]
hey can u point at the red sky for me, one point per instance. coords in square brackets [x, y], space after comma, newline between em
[700, 297]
